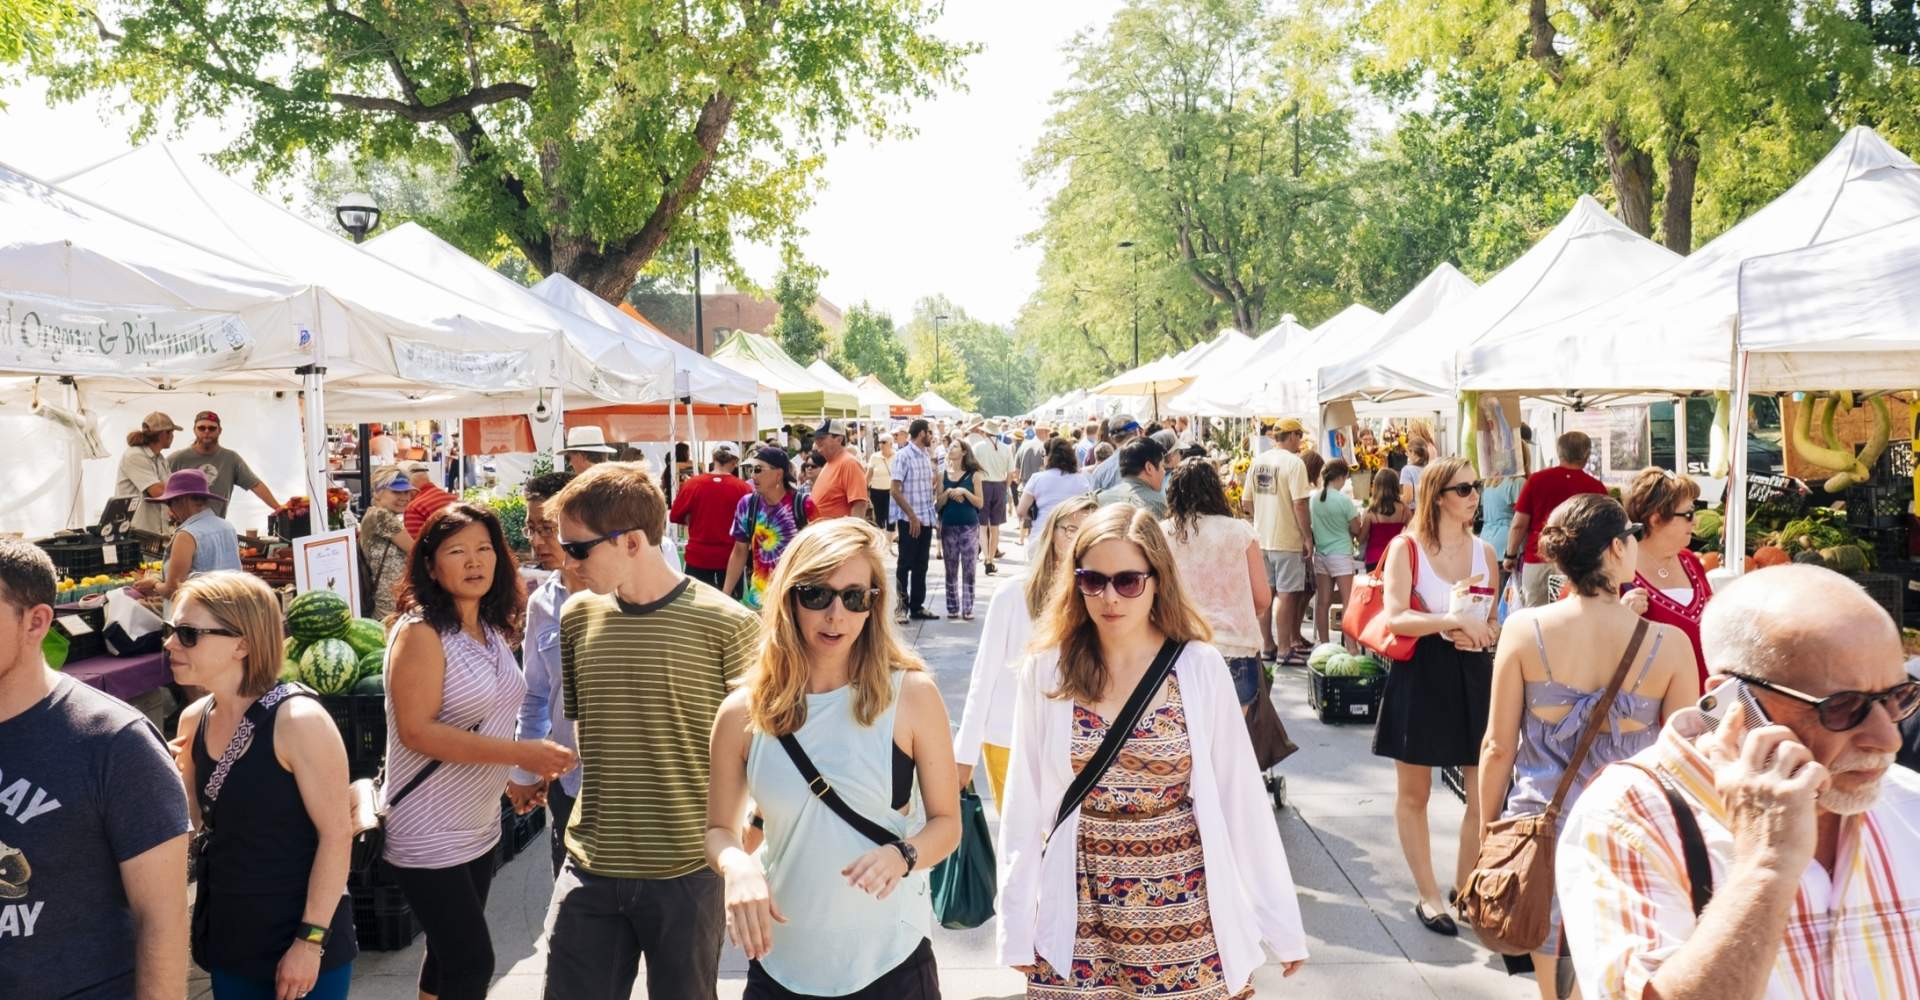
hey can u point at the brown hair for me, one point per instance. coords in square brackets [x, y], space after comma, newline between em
[243, 603]
[1070, 629]
[505, 602]
[776, 683]
[1331, 473]
[1426, 499]
[1573, 447]
[1383, 497]
[1314, 461]
[1046, 557]
[1655, 493]
[615, 496]
[1577, 537]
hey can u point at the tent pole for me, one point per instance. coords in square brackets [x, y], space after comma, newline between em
[314, 410]
[1735, 555]
[1680, 435]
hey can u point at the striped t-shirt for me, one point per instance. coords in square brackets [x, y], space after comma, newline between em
[453, 816]
[643, 684]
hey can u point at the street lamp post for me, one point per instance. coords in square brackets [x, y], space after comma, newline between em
[1134, 257]
[358, 214]
[937, 320]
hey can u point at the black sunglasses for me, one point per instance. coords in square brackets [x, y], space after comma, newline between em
[1128, 583]
[190, 634]
[1462, 489]
[1844, 710]
[1634, 530]
[818, 597]
[580, 550]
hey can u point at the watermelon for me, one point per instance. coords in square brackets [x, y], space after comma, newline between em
[318, 614]
[366, 636]
[371, 664]
[292, 649]
[1322, 653]
[375, 684]
[290, 671]
[329, 666]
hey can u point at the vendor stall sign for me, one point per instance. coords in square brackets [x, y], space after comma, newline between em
[482, 370]
[329, 561]
[618, 388]
[71, 338]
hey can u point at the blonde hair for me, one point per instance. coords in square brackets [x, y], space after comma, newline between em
[246, 605]
[1069, 628]
[776, 683]
[1047, 557]
[383, 478]
[1426, 499]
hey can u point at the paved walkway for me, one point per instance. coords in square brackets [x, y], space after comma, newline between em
[1355, 896]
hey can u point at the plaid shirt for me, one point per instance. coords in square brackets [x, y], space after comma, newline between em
[913, 470]
[1624, 893]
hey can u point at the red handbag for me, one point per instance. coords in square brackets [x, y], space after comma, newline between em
[1365, 617]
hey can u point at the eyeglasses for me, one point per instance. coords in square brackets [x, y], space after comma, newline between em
[190, 634]
[204, 428]
[1844, 710]
[542, 528]
[1128, 583]
[1634, 530]
[1687, 514]
[817, 597]
[580, 550]
[1462, 489]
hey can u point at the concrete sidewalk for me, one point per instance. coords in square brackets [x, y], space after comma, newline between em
[1356, 899]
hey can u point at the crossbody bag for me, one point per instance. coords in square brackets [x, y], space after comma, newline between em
[369, 820]
[1118, 733]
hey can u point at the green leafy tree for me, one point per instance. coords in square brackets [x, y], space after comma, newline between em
[585, 133]
[1000, 372]
[869, 346]
[934, 358]
[799, 331]
[29, 28]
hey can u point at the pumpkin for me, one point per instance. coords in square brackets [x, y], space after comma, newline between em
[1770, 555]
[1710, 561]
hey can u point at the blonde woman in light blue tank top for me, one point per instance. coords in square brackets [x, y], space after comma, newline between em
[820, 908]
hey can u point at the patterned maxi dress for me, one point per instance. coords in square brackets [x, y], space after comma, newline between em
[1144, 927]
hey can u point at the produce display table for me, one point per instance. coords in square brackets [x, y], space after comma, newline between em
[124, 677]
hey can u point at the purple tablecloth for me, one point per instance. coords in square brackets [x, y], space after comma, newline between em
[124, 677]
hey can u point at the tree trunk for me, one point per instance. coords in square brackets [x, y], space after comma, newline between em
[1631, 169]
[1676, 214]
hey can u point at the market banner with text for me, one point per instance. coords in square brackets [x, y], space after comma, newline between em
[64, 337]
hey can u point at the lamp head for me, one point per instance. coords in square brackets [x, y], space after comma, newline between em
[358, 214]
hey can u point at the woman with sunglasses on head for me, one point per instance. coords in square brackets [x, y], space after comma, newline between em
[1552, 668]
[822, 909]
[453, 694]
[1163, 865]
[384, 542]
[266, 774]
[986, 723]
[1219, 557]
[1669, 583]
[1439, 582]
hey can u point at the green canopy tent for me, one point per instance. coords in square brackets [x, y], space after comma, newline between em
[803, 395]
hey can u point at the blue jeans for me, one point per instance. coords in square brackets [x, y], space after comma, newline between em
[332, 985]
[1246, 671]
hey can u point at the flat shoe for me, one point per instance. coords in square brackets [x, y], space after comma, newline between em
[1439, 924]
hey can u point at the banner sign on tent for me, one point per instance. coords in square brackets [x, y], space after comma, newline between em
[508, 435]
[64, 337]
[711, 422]
[482, 370]
[610, 385]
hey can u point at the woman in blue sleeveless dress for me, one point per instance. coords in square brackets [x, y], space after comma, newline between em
[821, 909]
[1553, 665]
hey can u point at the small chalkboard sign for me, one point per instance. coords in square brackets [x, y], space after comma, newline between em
[1900, 459]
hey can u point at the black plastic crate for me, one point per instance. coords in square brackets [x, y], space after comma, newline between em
[526, 829]
[382, 919]
[1887, 590]
[362, 721]
[1879, 506]
[1345, 698]
[80, 555]
[90, 643]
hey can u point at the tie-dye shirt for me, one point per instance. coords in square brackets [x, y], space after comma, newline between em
[772, 527]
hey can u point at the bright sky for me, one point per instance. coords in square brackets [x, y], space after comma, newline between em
[941, 212]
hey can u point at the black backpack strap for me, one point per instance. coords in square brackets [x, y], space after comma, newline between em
[1119, 731]
[1693, 846]
[817, 783]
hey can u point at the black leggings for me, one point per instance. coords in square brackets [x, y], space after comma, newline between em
[451, 904]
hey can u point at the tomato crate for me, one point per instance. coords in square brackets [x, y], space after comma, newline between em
[1345, 697]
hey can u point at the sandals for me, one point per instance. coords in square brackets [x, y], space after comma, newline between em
[1439, 923]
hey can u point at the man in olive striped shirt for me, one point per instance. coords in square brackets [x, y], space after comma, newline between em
[646, 656]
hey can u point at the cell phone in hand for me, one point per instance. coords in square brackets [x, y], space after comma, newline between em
[1715, 704]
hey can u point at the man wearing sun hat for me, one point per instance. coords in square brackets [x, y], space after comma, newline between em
[203, 542]
[586, 447]
[143, 471]
[223, 467]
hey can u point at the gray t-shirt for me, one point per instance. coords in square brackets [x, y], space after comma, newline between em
[224, 469]
[1030, 459]
[85, 784]
[141, 468]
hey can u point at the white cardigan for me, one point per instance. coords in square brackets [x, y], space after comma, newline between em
[1004, 634]
[1250, 893]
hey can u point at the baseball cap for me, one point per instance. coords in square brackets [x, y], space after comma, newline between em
[834, 426]
[207, 415]
[1168, 441]
[1122, 422]
[156, 422]
[723, 452]
[415, 468]
[399, 484]
[777, 458]
[1290, 425]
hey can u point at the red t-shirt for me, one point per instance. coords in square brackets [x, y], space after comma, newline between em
[842, 482]
[1546, 490]
[425, 503]
[705, 504]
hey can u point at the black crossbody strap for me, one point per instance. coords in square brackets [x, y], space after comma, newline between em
[1693, 846]
[415, 781]
[817, 783]
[1118, 732]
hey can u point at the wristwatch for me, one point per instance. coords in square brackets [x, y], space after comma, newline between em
[907, 851]
[314, 934]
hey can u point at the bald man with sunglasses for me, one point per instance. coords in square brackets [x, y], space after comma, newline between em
[1765, 845]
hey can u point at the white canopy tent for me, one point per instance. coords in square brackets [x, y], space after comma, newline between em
[699, 377]
[1439, 290]
[933, 405]
[1228, 389]
[1588, 257]
[831, 377]
[878, 400]
[1673, 332]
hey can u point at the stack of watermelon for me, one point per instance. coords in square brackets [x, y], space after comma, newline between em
[1333, 660]
[331, 651]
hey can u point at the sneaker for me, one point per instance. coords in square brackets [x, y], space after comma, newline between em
[922, 615]
[989, 569]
